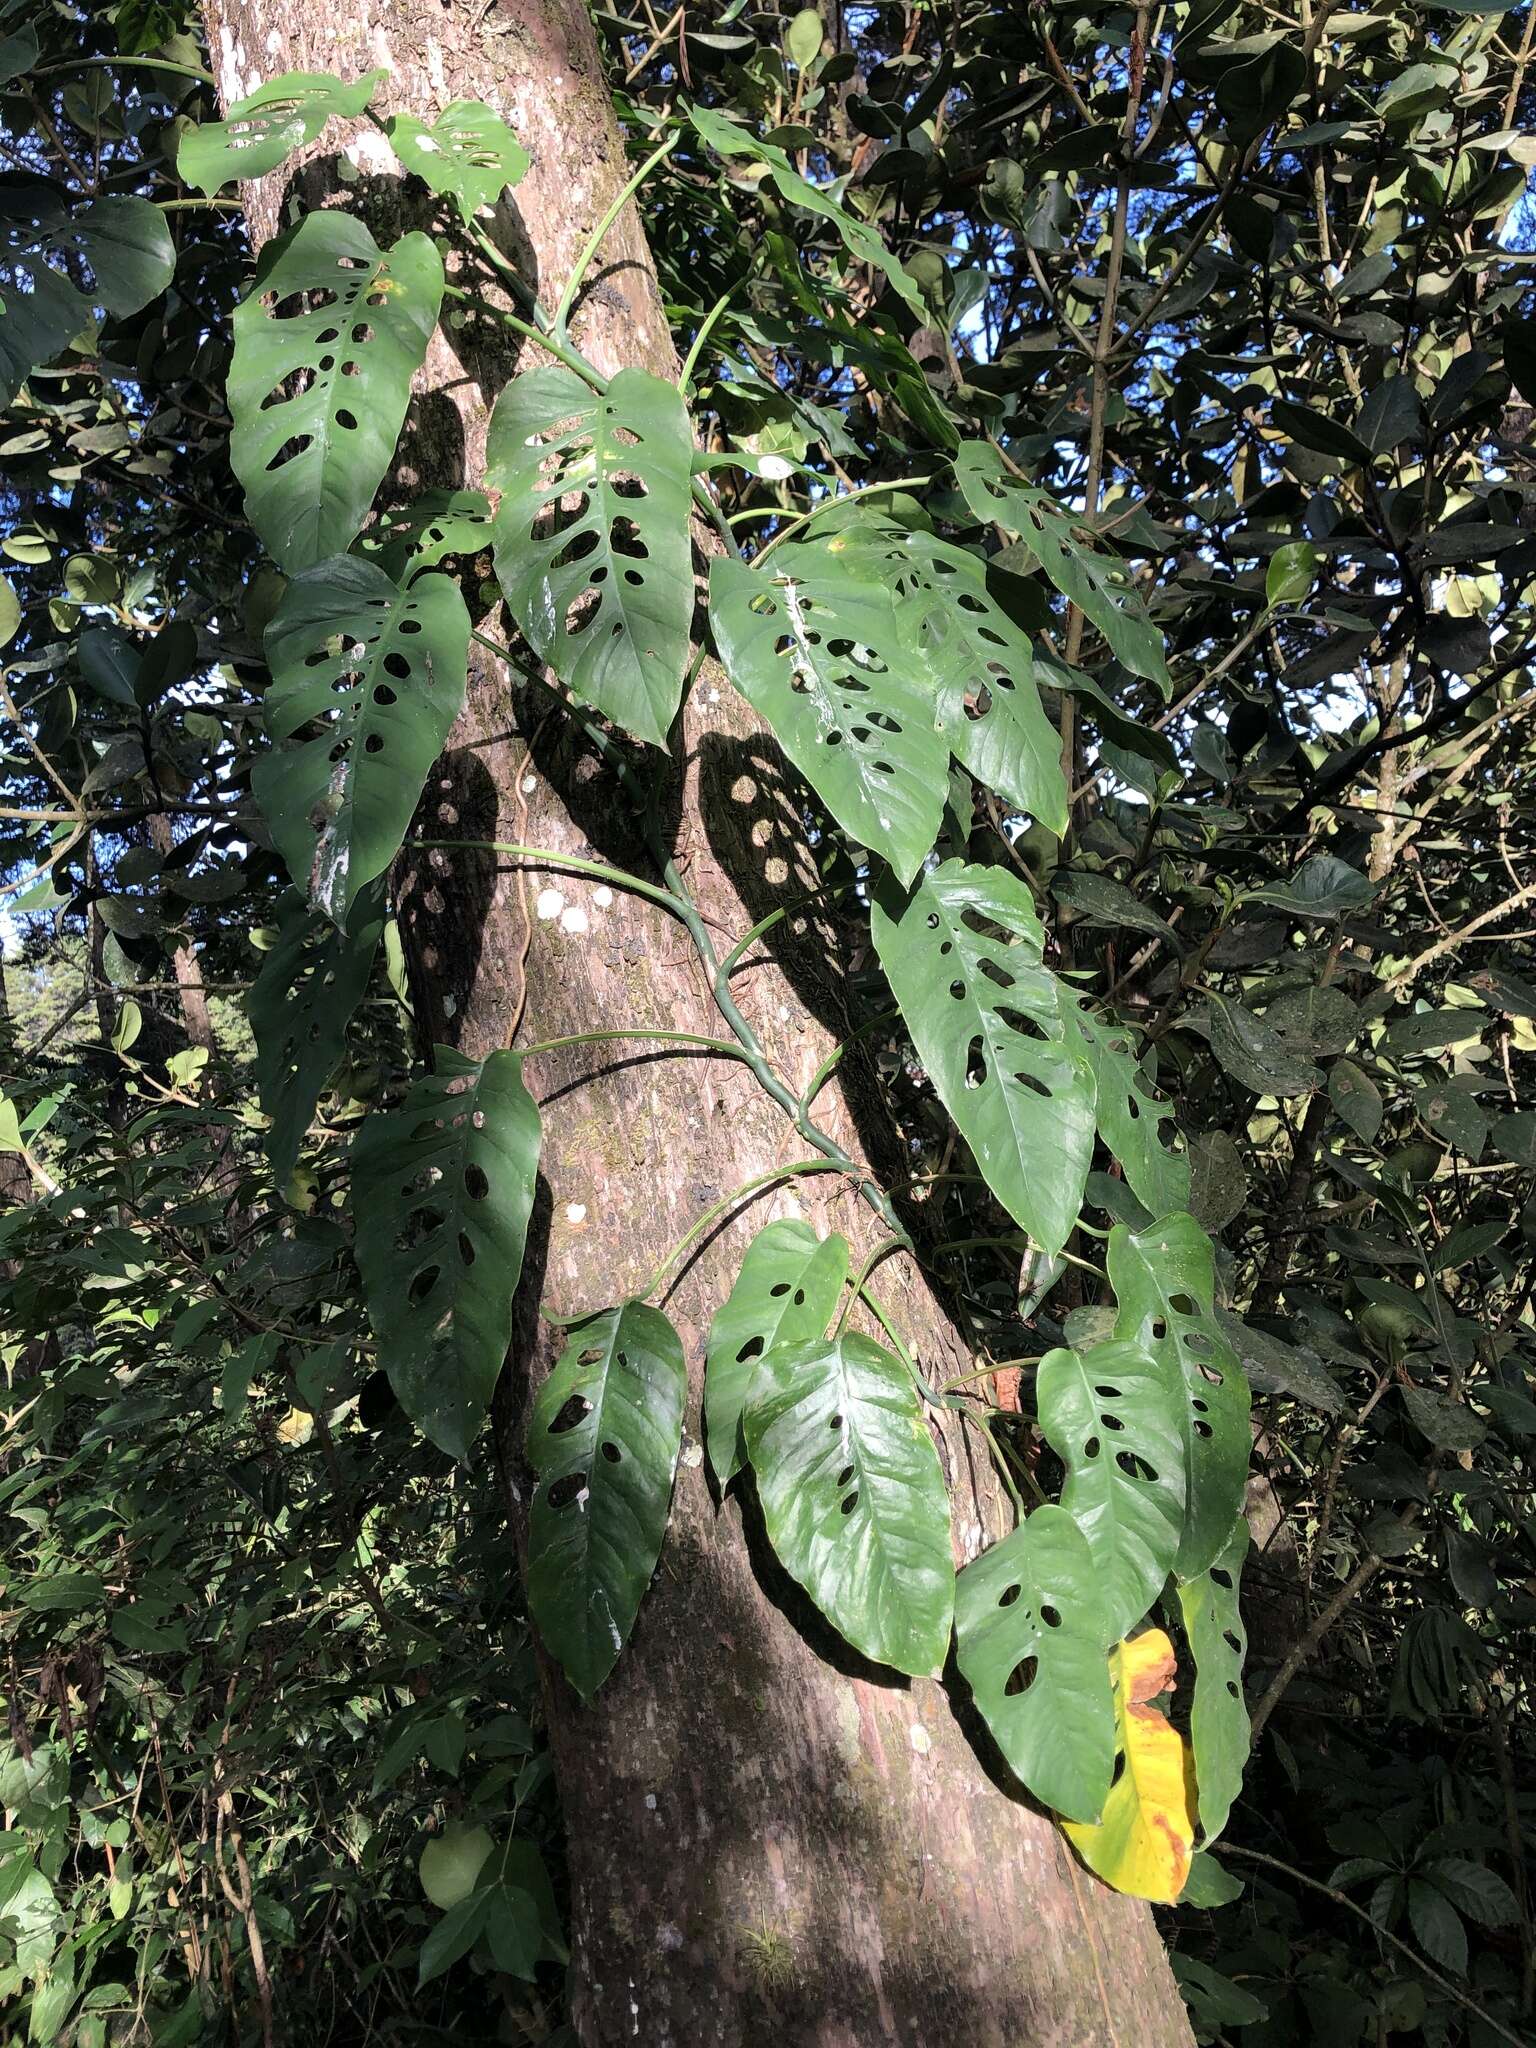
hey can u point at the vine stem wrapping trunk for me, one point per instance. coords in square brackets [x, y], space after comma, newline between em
[768, 1842]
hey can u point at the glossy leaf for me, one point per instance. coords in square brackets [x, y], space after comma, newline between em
[469, 154]
[442, 1189]
[261, 132]
[1145, 1841]
[318, 395]
[1093, 581]
[862, 242]
[853, 1496]
[367, 680]
[1029, 1639]
[603, 591]
[603, 1441]
[1130, 1117]
[1218, 1721]
[1112, 1415]
[58, 266]
[300, 1005]
[1254, 1053]
[788, 1289]
[815, 646]
[1164, 1280]
[999, 1035]
[978, 664]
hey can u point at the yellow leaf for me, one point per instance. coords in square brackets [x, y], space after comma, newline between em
[1144, 1842]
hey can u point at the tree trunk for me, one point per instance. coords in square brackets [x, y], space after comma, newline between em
[768, 1840]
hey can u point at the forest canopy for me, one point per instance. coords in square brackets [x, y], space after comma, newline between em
[768, 909]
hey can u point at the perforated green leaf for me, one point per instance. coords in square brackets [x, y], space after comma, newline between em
[789, 1286]
[416, 538]
[1095, 582]
[1164, 1279]
[318, 396]
[1030, 1638]
[603, 1441]
[258, 133]
[119, 255]
[602, 589]
[469, 154]
[367, 679]
[1130, 1117]
[813, 642]
[1112, 1416]
[310, 983]
[977, 662]
[999, 1035]
[853, 1496]
[861, 241]
[442, 1189]
[1218, 1721]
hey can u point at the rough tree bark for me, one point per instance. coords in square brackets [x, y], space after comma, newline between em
[767, 1841]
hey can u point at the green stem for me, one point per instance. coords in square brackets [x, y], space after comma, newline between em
[691, 360]
[596, 238]
[881, 1251]
[897, 483]
[115, 63]
[530, 332]
[548, 857]
[722, 1046]
[742, 1194]
[197, 205]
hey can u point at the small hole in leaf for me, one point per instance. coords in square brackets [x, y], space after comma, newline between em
[573, 1410]
[374, 744]
[422, 1284]
[751, 1349]
[1091, 1448]
[781, 1289]
[1021, 1677]
[1008, 1595]
[851, 1502]
[612, 1453]
[834, 1422]
[476, 1186]
[1134, 1467]
[1221, 1578]
[571, 1486]
[466, 1250]
[845, 1475]
[1050, 1616]
[1183, 1304]
[397, 666]
[591, 1355]
[384, 695]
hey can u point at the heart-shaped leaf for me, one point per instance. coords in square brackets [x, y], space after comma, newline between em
[1096, 583]
[300, 1005]
[442, 1189]
[367, 680]
[814, 644]
[1164, 1279]
[1030, 1639]
[1145, 1841]
[1112, 1416]
[318, 395]
[999, 1035]
[258, 133]
[1218, 1719]
[790, 1283]
[469, 154]
[853, 1496]
[601, 588]
[603, 1442]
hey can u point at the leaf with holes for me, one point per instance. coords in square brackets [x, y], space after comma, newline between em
[1164, 1279]
[258, 133]
[790, 1283]
[119, 255]
[300, 1005]
[1030, 1639]
[318, 395]
[978, 663]
[1144, 1844]
[468, 155]
[1130, 1115]
[603, 1441]
[1096, 583]
[853, 1496]
[863, 244]
[999, 1034]
[603, 588]
[1112, 1416]
[816, 646]
[1218, 1720]
[367, 679]
[442, 1189]
[408, 542]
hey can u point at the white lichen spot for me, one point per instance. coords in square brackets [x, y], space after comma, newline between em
[371, 152]
[530, 784]
[650, 1802]
[713, 697]
[450, 1006]
[574, 920]
[920, 1739]
[274, 41]
[548, 904]
[602, 896]
[575, 1212]
[692, 1456]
